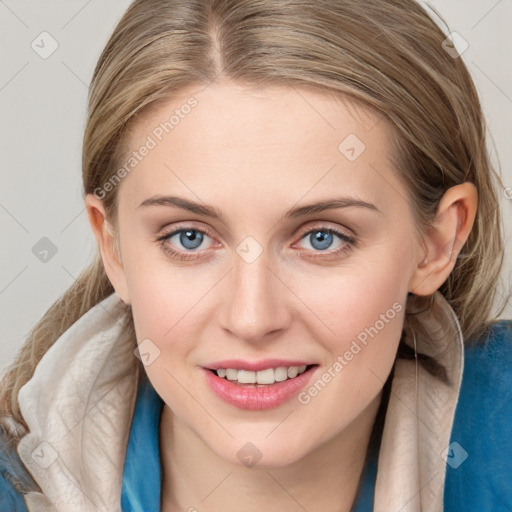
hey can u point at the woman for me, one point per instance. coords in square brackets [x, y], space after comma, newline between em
[298, 247]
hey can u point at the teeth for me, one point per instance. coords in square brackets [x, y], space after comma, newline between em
[268, 376]
[293, 371]
[231, 374]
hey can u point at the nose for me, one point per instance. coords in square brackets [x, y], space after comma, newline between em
[255, 307]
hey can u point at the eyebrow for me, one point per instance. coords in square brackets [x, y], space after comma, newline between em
[210, 211]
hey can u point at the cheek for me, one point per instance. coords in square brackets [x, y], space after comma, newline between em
[168, 309]
[354, 296]
[362, 311]
[160, 294]
[361, 352]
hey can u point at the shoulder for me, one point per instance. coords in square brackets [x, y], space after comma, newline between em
[495, 346]
[487, 379]
[479, 461]
[11, 471]
[10, 499]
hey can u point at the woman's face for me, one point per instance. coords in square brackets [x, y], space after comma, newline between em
[256, 282]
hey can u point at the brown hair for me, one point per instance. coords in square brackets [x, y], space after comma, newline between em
[385, 54]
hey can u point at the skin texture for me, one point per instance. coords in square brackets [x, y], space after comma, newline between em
[254, 154]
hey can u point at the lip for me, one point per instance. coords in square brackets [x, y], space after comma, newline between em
[255, 366]
[254, 398]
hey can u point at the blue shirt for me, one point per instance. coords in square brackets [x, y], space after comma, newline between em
[482, 427]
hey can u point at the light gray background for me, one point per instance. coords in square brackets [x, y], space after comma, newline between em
[43, 104]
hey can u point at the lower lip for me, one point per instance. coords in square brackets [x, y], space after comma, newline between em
[255, 398]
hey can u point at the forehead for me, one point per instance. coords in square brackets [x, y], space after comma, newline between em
[275, 113]
[261, 140]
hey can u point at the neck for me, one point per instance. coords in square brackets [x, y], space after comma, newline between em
[326, 478]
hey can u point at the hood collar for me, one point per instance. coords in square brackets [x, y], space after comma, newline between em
[78, 406]
[420, 411]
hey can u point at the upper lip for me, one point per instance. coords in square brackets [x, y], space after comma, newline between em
[255, 366]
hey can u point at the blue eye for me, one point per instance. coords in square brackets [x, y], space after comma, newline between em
[191, 238]
[320, 239]
[324, 239]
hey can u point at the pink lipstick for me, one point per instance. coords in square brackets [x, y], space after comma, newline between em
[257, 397]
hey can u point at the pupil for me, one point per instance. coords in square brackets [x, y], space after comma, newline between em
[191, 236]
[323, 237]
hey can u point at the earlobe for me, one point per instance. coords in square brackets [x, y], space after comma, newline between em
[455, 217]
[107, 246]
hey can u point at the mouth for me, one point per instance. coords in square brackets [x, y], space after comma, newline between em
[256, 396]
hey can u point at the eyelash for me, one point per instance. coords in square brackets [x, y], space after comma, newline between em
[188, 255]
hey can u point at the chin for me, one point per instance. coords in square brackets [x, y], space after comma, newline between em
[261, 452]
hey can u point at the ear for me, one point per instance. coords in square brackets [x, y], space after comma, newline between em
[110, 252]
[455, 216]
